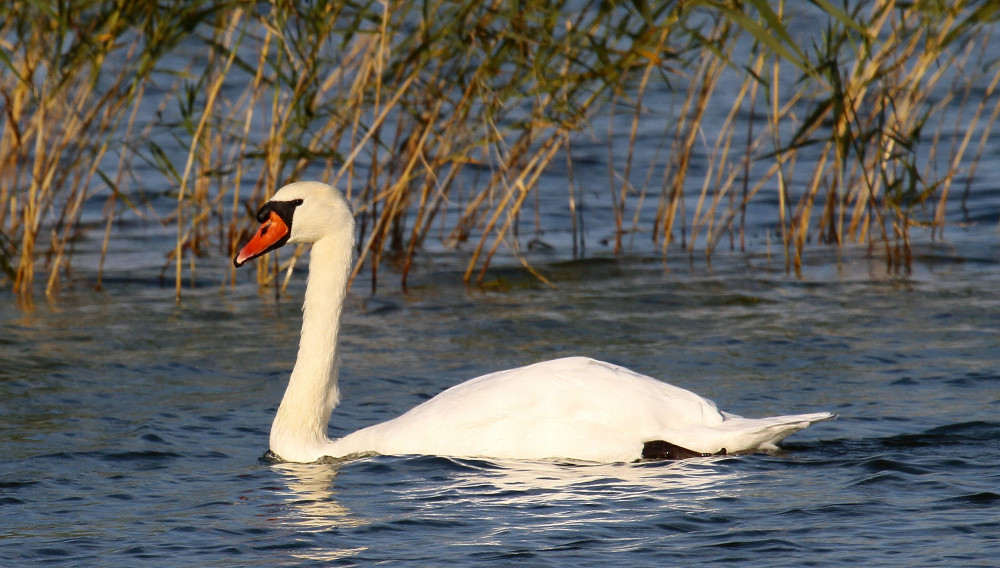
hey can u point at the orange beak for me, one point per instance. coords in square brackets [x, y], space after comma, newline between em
[271, 235]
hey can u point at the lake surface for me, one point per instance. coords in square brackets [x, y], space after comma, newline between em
[132, 426]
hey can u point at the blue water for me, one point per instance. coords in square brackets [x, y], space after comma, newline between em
[132, 426]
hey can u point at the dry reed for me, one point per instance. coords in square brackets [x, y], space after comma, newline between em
[447, 114]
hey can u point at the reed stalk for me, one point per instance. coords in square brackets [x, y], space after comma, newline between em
[444, 114]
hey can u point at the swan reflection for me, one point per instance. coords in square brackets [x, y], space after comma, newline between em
[551, 483]
[435, 486]
[313, 504]
[312, 507]
[484, 503]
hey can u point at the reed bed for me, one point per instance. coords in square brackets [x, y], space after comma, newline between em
[439, 119]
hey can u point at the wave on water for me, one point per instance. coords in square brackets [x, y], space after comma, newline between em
[961, 434]
[949, 438]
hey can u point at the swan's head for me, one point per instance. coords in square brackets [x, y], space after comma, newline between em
[301, 212]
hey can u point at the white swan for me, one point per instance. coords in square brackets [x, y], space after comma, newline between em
[575, 408]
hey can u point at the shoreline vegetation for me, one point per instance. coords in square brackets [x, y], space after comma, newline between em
[439, 118]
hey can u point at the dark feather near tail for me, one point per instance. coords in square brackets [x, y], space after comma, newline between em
[662, 450]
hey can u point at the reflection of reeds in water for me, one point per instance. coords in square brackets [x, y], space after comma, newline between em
[439, 118]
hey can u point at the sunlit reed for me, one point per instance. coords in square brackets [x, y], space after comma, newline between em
[439, 119]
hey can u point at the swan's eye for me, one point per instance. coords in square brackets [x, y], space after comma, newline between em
[282, 208]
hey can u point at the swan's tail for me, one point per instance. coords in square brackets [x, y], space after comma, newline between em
[747, 434]
[737, 434]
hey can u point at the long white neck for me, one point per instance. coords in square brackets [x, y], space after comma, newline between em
[299, 429]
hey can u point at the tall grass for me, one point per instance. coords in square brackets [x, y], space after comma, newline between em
[439, 118]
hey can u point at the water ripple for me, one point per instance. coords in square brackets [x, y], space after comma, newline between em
[133, 440]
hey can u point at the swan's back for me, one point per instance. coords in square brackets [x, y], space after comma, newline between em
[572, 408]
